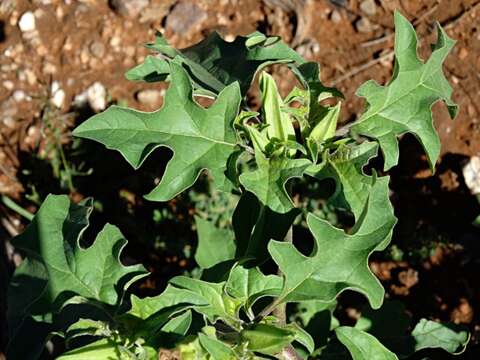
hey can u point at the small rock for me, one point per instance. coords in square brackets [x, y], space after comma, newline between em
[130, 51]
[364, 25]
[33, 135]
[149, 97]
[49, 68]
[185, 16]
[131, 8]
[463, 53]
[19, 95]
[97, 96]
[84, 57]
[368, 7]
[156, 11]
[336, 17]
[42, 50]
[97, 49]
[31, 77]
[7, 84]
[9, 52]
[9, 122]
[471, 173]
[115, 41]
[58, 98]
[80, 99]
[58, 95]
[27, 22]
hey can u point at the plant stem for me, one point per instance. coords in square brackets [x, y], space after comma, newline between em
[280, 311]
[17, 208]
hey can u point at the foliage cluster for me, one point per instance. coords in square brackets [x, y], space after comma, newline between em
[72, 290]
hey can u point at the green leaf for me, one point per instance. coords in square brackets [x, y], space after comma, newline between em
[217, 349]
[214, 63]
[220, 305]
[152, 69]
[345, 167]
[94, 273]
[267, 339]
[390, 325]
[449, 337]
[104, 349]
[248, 285]
[279, 123]
[215, 245]
[170, 297]
[58, 268]
[303, 337]
[339, 260]
[185, 293]
[255, 225]
[404, 105]
[179, 325]
[326, 127]
[200, 138]
[363, 346]
[88, 327]
[268, 180]
[309, 75]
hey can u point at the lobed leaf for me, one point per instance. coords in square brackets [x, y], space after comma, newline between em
[404, 105]
[339, 260]
[248, 285]
[345, 167]
[214, 63]
[268, 180]
[200, 138]
[58, 269]
[183, 293]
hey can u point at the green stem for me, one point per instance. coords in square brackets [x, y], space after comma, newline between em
[12, 205]
[280, 311]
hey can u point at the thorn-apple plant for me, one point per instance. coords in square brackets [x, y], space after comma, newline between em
[64, 289]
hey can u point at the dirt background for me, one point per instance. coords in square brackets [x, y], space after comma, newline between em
[68, 62]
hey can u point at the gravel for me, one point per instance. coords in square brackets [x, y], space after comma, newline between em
[27, 22]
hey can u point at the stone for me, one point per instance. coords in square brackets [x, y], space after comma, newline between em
[368, 7]
[463, 53]
[149, 96]
[363, 25]
[97, 96]
[19, 95]
[130, 8]
[7, 84]
[58, 94]
[184, 17]
[31, 77]
[27, 22]
[97, 49]
[471, 174]
[336, 17]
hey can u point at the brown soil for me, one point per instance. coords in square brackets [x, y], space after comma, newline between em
[81, 42]
[77, 43]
